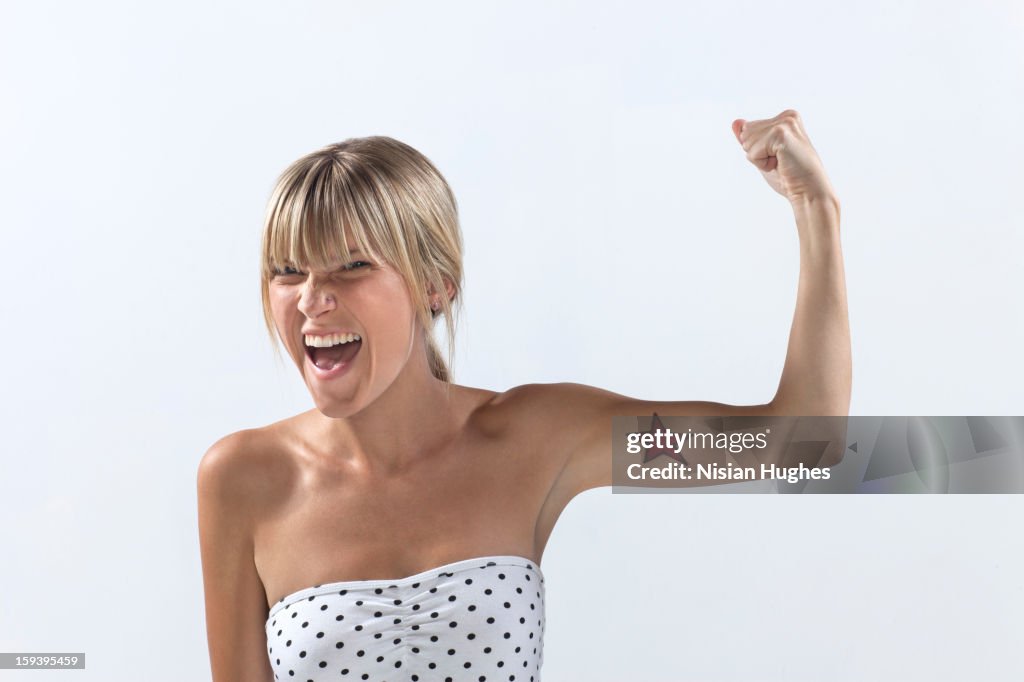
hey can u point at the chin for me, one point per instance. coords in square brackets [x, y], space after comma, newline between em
[335, 409]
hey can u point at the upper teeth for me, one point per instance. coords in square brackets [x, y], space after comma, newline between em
[330, 340]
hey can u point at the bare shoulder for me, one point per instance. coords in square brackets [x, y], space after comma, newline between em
[229, 453]
[230, 456]
[527, 396]
[553, 414]
[234, 469]
[556, 402]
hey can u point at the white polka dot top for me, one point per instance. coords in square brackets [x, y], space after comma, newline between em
[479, 620]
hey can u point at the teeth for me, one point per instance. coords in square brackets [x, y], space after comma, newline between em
[330, 340]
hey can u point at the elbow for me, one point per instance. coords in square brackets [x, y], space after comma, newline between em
[835, 447]
[817, 432]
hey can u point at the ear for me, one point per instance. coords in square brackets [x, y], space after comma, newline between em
[449, 289]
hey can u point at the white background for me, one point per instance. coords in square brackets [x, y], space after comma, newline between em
[615, 236]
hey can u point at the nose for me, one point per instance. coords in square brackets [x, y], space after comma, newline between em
[316, 299]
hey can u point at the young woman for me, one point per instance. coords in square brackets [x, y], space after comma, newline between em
[395, 532]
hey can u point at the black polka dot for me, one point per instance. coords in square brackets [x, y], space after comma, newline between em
[413, 626]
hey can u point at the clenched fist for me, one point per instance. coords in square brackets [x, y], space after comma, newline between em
[781, 151]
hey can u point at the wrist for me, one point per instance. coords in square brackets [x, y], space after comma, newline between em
[824, 201]
[817, 216]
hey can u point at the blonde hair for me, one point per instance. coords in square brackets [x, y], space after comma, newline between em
[397, 206]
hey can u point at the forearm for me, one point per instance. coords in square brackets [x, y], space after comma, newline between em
[817, 375]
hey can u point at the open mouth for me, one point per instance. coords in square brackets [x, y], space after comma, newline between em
[332, 357]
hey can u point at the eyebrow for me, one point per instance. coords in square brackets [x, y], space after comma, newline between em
[351, 252]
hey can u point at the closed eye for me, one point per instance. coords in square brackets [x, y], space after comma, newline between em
[288, 270]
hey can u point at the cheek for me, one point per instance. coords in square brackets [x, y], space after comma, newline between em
[278, 310]
[283, 311]
[386, 300]
[389, 311]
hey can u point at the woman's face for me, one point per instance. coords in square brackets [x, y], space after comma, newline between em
[362, 296]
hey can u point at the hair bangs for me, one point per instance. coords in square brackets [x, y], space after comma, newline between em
[306, 228]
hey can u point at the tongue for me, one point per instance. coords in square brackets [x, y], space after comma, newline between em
[328, 358]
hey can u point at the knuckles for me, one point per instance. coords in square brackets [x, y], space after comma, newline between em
[754, 134]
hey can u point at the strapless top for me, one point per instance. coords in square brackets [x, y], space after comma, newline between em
[479, 620]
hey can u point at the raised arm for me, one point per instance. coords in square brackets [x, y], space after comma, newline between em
[816, 377]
